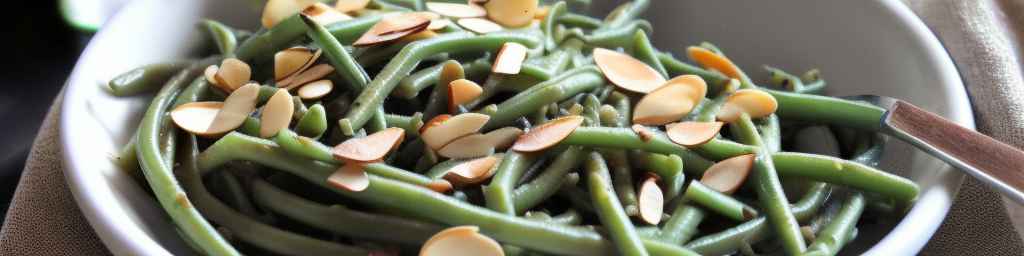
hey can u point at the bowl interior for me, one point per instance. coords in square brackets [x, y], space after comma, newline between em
[862, 47]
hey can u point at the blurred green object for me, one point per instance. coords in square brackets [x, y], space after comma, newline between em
[89, 15]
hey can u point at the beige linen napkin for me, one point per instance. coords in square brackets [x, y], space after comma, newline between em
[43, 218]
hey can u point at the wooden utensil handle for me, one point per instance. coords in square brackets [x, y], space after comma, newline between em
[975, 150]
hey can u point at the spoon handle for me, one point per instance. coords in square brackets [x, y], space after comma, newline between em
[999, 165]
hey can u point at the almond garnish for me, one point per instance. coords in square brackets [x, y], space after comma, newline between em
[351, 5]
[277, 10]
[461, 241]
[316, 90]
[469, 146]
[511, 13]
[690, 134]
[434, 122]
[651, 201]
[504, 137]
[371, 148]
[391, 28]
[323, 14]
[196, 117]
[233, 73]
[455, 10]
[314, 73]
[436, 136]
[291, 61]
[462, 91]
[277, 113]
[473, 171]
[237, 106]
[754, 102]
[510, 59]
[711, 60]
[627, 72]
[547, 134]
[479, 25]
[670, 102]
[645, 133]
[350, 177]
[728, 175]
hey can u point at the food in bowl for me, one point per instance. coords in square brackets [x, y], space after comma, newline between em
[503, 127]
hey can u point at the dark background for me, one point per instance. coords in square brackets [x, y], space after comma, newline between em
[44, 50]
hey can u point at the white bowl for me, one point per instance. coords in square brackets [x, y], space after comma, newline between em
[862, 47]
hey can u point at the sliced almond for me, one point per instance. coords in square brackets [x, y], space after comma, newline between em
[351, 5]
[437, 120]
[627, 72]
[211, 76]
[511, 13]
[510, 59]
[371, 148]
[479, 25]
[547, 134]
[277, 10]
[690, 134]
[438, 24]
[233, 73]
[670, 102]
[277, 113]
[473, 171]
[754, 102]
[393, 27]
[314, 73]
[237, 106]
[350, 177]
[542, 12]
[728, 175]
[651, 201]
[425, 34]
[323, 14]
[455, 10]
[461, 241]
[436, 136]
[504, 137]
[645, 133]
[196, 117]
[469, 146]
[292, 61]
[316, 90]
[462, 91]
[711, 60]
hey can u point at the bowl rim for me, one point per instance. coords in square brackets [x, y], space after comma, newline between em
[106, 219]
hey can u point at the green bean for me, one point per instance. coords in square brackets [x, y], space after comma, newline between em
[618, 37]
[345, 66]
[555, 12]
[251, 126]
[223, 36]
[576, 196]
[847, 173]
[410, 86]
[265, 93]
[300, 109]
[374, 94]
[644, 51]
[544, 186]
[341, 220]
[569, 217]
[411, 124]
[625, 138]
[622, 180]
[377, 54]
[765, 181]
[263, 46]
[835, 235]
[145, 78]
[404, 197]
[789, 82]
[827, 110]
[561, 87]
[161, 178]
[579, 20]
[718, 202]
[682, 226]
[543, 68]
[127, 161]
[438, 102]
[669, 169]
[245, 228]
[609, 209]
[625, 13]
[388, 6]
[239, 197]
[499, 193]
[313, 123]
[675, 67]
[304, 147]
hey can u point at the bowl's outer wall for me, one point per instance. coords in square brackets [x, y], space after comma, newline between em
[862, 47]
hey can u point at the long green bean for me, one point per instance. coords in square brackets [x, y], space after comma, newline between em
[530, 194]
[313, 123]
[223, 37]
[410, 86]
[609, 209]
[262, 46]
[145, 78]
[558, 88]
[718, 202]
[835, 235]
[499, 193]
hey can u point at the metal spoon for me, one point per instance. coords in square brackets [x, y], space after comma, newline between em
[997, 164]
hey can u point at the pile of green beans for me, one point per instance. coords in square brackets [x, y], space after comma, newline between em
[579, 197]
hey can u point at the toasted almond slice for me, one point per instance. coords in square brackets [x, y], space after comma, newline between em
[728, 175]
[291, 61]
[351, 5]
[196, 117]
[754, 102]
[479, 25]
[469, 146]
[434, 122]
[350, 177]
[316, 90]
[547, 134]
[511, 13]
[698, 88]
[370, 148]
[542, 12]
[314, 73]
[233, 73]
[651, 201]
[237, 106]
[711, 60]
[436, 136]
[425, 34]
[692, 134]
[645, 133]
[473, 171]
[462, 91]
[461, 241]
[510, 59]
[277, 113]
[666, 104]
[438, 24]
[393, 27]
[627, 72]
[504, 137]
[277, 10]
[211, 76]
[323, 14]
[457, 10]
